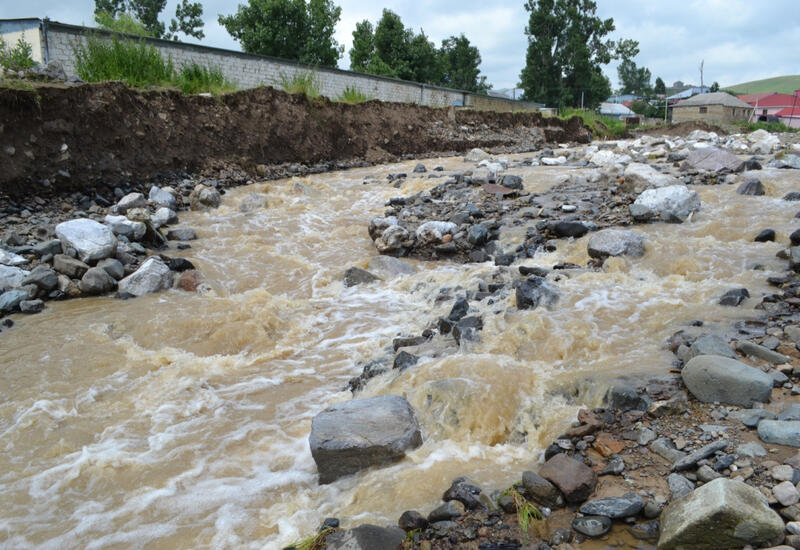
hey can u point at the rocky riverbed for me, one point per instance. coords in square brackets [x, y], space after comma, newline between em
[597, 342]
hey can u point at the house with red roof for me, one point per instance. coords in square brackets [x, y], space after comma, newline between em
[769, 104]
[790, 116]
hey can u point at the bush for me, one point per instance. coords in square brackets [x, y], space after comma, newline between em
[301, 83]
[17, 58]
[194, 79]
[135, 63]
[598, 125]
[121, 23]
[352, 95]
[768, 126]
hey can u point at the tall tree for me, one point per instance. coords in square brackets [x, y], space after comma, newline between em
[461, 61]
[566, 50]
[660, 88]
[291, 29]
[424, 60]
[632, 79]
[392, 41]
[126, 14]
[363, 46]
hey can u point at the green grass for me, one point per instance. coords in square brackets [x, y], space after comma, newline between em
[194, 79]
[305, 83]
[598, 125]
[781, 84]
[17, 58]
[768, 126]
[139, 64]
[528, 515]
[316, 542]
[353, 95]
[135, 63]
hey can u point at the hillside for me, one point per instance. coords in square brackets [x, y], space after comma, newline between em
[782, 84]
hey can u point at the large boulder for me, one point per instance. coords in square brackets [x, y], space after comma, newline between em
[668, 204]
[713, 378]
[616, 242]
[160, 196]
[203, 197]
[122, 226]
[762, 142]
[639, 177]
[477, 155]
[92, 240]
[575, 479]
[780, 432]
[11, 277]
[96, 281]
[351, 436]
[129, 201]
[723, 513]
[153, 275]
[10, 300]
[711, 159]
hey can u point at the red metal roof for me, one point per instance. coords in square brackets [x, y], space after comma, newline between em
[751, 98]
[789, 111]
[774, 100]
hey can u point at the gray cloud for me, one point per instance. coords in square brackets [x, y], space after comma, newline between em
[739, 40]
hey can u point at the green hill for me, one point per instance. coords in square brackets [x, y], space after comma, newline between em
[780, 84]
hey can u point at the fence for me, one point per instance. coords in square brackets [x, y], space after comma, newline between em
[53, 41]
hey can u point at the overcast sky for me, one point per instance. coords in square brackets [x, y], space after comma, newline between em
[740, 40]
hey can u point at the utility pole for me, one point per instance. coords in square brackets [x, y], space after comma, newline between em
[581, 100]
[701, 74]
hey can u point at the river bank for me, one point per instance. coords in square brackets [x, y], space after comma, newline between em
[195, 407]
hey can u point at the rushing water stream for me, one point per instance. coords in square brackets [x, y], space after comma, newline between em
[180, 420]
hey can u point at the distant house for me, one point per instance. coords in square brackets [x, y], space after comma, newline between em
[718, 107]
[615, 110]
[769, 104]
[790, 116]
[622, 98]
[688, 92]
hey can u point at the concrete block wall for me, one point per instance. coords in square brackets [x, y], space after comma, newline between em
[58, 42]
[28, 30]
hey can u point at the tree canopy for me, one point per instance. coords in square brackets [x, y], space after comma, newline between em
[390, 48]
[659, 87]
[291, 29]
[632, 79]
[567, 48]
[142, 17]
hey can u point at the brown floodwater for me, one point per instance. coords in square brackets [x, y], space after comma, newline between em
[180, 420]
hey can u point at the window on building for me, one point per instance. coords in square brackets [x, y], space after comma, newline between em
[703, 110]
[764, 112]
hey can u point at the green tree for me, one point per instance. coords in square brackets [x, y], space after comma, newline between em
[424, 60]
[714, 87]
[633, 79]
[566, 50]
[660, 88]
[133, 15]
[363, 46]
[291, 29]
[392, 41]
[461, 61]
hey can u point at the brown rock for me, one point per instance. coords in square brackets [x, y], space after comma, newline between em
[189, 280]
[607, 445]
[575, 479]
[582, 430]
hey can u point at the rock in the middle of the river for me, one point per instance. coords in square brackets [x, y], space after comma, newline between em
[354, 435]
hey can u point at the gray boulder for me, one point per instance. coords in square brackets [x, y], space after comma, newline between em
[97, 281]
[162, 197]
[351, 436]
[754, 350]
[389, 267]
[122, 226]
[711, 159]
[163, 216]
[616, 242]
[575, 479]
[11, 277]
[366, 537]
[153, 275]
[752, 187]
[477, 155]
[357, 276]
[131, 200]
[113, 267]
[671, 204]
[43, 277]
[203, 197]
[679, 486]
[711, 344]
[591, 526]
[92, 240]
[625, 506]
[713, 378]
[69, 266]
[535, 291]
[10, 300]
[639, 176]
[721, 514]
[780, 432]
[181, 234]
[541, 491]
[253, 202]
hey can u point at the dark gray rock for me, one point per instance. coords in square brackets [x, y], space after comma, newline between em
[448, 511]
[712, 378]
[411, 520]
[10, 300]
[512, 182]
[721, 514]
[31, 306]
[351, 436]
[565, 229]
[97, 281]
[466, 493]
[765, 236]
[403, 360]
[181, 234]
[366, 537]
[792, 196]
[71, 267]
[625, 506]
[467, 329]
[752, 186]
[592, 526]
[794, 238]
[52, 247]
[459, 310]
[734, 297]
[357, 276]
[43, 277]
[626, 398]
[477, 235]
[535, 291]
[679, 486]
[706, 451]
[645, 531]
[541, 491]
[113, 267]
[420, 168]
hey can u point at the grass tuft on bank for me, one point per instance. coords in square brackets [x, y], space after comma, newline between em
[599, 126]
[353, 95]
[141, 65]
[768, 126]
[305, 83]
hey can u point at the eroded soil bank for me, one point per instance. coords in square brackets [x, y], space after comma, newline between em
[96, 136]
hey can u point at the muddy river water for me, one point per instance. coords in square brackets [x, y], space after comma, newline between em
[180, 420]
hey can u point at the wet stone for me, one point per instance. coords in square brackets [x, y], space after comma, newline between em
[412, 520]
[627, 505]
[575, 480]
[448, 511]
[404, 360]
[767, 235]
[357, 276]
[592, 526]
[734, 297]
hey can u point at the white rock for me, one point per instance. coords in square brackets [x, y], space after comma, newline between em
[162, 197]
[786, 493]
[163, 216]
[670, 204]
[11, 276]
[476, 155]
[554, 161]
[639, 177]
[763, 142]
[392, 238]
[701, 135]
[433, 231]
[9, 258]
[153, 275]
[121, 225]
[131, 200]
[92, 240]
[605, 157]
[616, 242]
